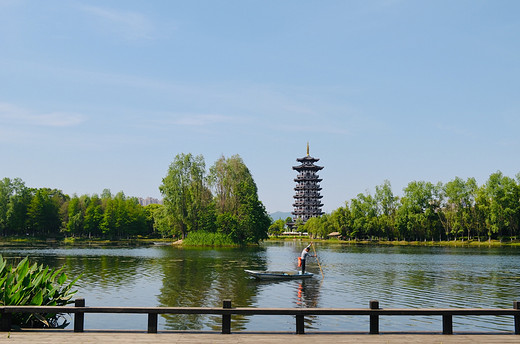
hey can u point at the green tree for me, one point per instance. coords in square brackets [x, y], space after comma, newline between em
[299, 225]
[6, 191]
[228, 225]
[341, 221]
[149, 212]
[500, 200]
[416, 218]
[93, 217]
[386, 205]
[186, 195]
[108, 224]
[43, 212]
[123, 217]
[319, 227]
[254, 220]
[135, 218]
[14, 198]
[277, 227]
[459, 202]
[163, 222]
[363, 210]
[76, 213]
[225, 176]
[17, 217]
[312, 227]
[236, 197]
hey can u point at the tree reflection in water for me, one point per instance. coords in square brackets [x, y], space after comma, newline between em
[197, 277]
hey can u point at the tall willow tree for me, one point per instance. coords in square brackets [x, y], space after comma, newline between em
[186, 196]
[240, 214]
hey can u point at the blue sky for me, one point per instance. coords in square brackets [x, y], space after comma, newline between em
[104, 94]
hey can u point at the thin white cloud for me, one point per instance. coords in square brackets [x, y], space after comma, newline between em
[130, 25]
[12, 114]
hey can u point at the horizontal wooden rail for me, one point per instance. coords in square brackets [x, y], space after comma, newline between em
[373, 312]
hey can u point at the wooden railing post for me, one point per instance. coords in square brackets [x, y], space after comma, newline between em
[374, 318]
[516, 305]
[79, 317]
[300, 324]
[152, 322]
[6, 321]
[226, 318]
[447, 324]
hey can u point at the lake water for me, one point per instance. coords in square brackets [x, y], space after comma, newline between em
[398, 277]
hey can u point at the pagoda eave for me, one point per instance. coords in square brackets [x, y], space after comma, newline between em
[307, 158]
[308, 179]
[311, 168]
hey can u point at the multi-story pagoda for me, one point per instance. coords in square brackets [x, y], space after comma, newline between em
[307, 200]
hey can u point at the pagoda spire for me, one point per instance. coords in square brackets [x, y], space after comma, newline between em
[307, 148]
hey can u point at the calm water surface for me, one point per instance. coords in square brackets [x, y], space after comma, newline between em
[398, 277]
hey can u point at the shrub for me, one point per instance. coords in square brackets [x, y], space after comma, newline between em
[203, 238]
[34, 285]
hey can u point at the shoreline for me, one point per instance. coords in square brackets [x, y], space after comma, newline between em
[457, 243]
[79, 242]
[134, 242]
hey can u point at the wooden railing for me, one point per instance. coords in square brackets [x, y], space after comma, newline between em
[373, 312]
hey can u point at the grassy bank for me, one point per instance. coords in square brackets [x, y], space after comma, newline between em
[201, 238]
[44, 242]
[457, 243]
[216, 241]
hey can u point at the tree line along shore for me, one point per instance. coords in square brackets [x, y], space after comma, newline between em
[220, 206]
[217, 207]
[459, 210]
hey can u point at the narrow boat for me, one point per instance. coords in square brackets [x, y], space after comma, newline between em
[278, 275]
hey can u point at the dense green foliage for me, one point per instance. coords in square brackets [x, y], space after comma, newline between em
[49, 213]
[278, 226]
[186, 195]
[35, 285]
[225, 201]
[456, 210]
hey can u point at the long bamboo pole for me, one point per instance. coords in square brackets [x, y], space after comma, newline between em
[316, 255]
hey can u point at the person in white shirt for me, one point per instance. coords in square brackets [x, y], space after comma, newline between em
[303, 257]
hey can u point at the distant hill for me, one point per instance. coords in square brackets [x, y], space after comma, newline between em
[280, 215]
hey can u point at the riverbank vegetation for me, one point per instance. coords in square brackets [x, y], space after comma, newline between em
[48, 213]
[223, 201]
[459, 210]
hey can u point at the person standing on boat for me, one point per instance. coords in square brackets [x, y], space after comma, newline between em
[303, 257]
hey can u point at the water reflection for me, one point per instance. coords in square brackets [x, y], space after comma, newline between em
[204, 278]
[398, 277]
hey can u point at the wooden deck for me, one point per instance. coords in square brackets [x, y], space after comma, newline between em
[69, 337]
